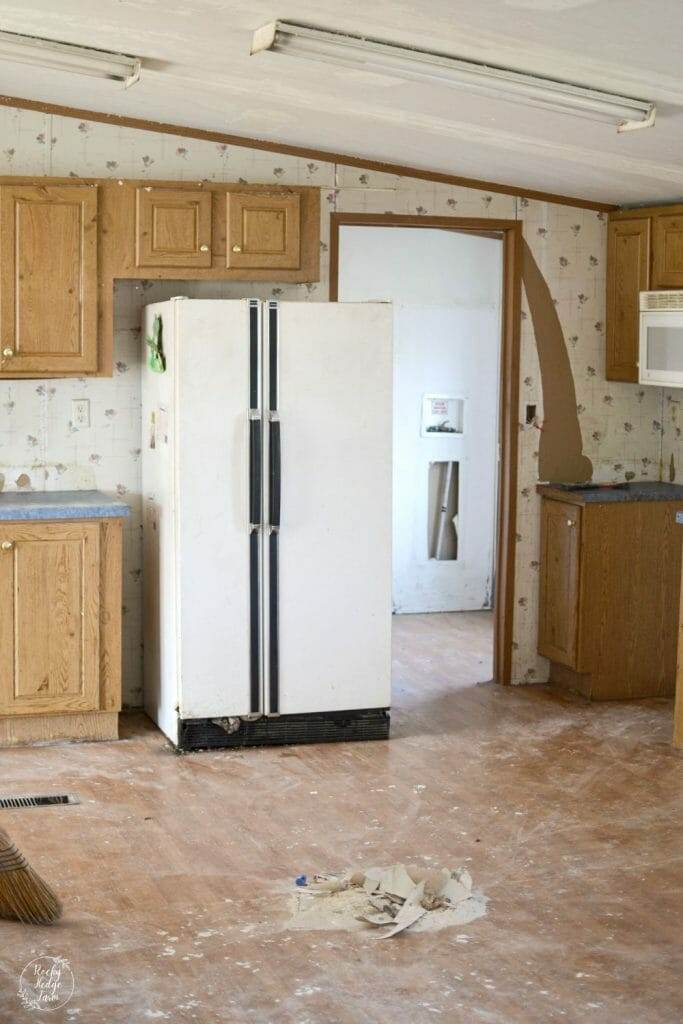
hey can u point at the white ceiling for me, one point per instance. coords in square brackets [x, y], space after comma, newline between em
[200, 74]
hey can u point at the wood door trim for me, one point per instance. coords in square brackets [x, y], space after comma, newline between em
[511, 233]
[307, 152]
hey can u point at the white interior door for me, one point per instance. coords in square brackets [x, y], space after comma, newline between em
[335, 411]
[212, 474]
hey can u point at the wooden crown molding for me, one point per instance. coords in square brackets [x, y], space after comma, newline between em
[324, 156]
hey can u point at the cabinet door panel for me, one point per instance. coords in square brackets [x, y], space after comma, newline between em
[48, 279]
[628, 273]
[49, 617]
[263, 231]
[668, 251]
[559, 592]
[173, 228]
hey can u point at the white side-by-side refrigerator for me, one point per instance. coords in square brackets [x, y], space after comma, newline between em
[266, 478]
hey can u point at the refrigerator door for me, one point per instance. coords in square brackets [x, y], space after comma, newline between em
[327, 570]
[159, 581]
[218, 438]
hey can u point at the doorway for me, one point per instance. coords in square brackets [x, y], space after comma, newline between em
[454, 289]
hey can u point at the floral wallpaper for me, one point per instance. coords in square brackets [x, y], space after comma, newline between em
[628, 431]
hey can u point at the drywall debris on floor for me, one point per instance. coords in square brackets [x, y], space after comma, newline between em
[389, 899]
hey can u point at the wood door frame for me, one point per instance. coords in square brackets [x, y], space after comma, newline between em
[510, 232]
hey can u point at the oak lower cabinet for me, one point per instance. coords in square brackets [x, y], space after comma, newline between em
[60, 619]
[610, 574]
[559, 606]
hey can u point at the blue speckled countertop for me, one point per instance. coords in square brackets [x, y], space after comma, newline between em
[60, 505]
[637, 490]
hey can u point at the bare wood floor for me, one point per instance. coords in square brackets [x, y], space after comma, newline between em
[174, 870]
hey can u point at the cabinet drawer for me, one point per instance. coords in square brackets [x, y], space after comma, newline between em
[173, 228]
[263, 231]
[558, 626]
[49, 617]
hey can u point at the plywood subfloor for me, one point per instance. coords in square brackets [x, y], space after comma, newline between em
[174, 869]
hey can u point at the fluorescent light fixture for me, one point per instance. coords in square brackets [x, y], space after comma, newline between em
[79, 60]
[364, 54]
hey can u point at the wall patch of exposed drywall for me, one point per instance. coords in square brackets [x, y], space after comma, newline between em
[560, 452]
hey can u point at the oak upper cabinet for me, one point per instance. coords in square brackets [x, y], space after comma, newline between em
[173, 227]
[667, 244]
[64, 243]
[48, 280]
[263, 230]
[628, 273]
[560, 580]
[49, 619]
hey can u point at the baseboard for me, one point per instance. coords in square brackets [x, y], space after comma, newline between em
[318, 727]
[81, 727]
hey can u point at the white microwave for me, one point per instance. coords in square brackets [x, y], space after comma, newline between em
[661, 339]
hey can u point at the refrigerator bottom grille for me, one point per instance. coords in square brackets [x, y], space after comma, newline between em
[320, 727]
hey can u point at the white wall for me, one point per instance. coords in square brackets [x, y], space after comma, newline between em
[425, 267]
[446, 289]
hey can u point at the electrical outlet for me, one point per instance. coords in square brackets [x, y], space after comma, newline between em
[80, 412]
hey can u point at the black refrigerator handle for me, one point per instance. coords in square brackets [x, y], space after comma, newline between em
[275, 474]
[275, 495]
[255, 519]
[255, 462]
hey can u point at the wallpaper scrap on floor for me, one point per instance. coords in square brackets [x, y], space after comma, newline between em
[628, 430]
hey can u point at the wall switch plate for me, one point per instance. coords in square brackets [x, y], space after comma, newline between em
[80, 412]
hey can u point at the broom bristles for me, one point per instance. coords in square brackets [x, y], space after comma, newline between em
[24, 896]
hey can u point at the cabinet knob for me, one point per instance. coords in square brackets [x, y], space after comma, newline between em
[203, 248]
[7, 352]
[237, 248]
[7, 545]
[570, 522]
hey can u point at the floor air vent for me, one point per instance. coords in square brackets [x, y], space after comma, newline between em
[37, 801]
